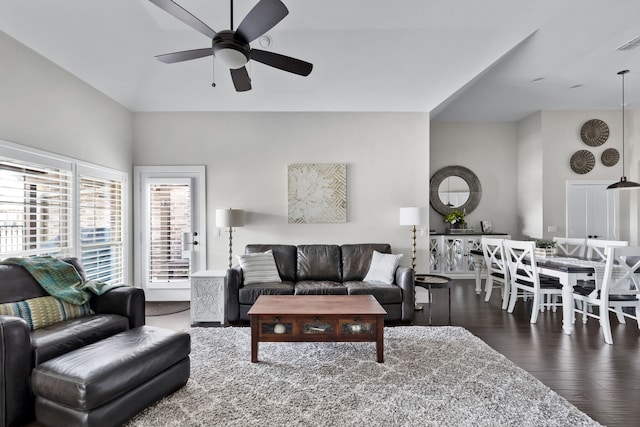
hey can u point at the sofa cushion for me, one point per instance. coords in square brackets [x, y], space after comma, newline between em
[248, 294]
[383, 292]
[320, 287]
[284, 256]
[68, 335]
[319, 262]
[44, 311]
[357, 258]
[259, 268]
[382, 268]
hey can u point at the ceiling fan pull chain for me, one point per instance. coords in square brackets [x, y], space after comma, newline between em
[213, 72]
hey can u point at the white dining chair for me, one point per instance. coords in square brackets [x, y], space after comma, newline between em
[525, 278]
[620, 284]
[497, 270]
[596, 249]
[571, 246]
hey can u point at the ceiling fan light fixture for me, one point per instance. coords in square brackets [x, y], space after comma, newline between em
[229, 51]
[231, 57]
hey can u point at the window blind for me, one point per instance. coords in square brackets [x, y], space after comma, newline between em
[53, 205]
[101, 228]
[169, 206]
[35, 209]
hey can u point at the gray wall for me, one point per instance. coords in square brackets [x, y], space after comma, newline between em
[489, 150]
[546, 142]
[246, 157]
[390, 156]
[529, 178]
[45, 107]
[524, 167]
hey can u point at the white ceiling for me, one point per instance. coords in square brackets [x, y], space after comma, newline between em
[459, 59]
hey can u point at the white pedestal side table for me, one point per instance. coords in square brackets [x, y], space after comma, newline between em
[208, 297]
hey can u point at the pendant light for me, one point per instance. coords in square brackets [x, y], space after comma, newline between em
[449, 204]
[623, 184]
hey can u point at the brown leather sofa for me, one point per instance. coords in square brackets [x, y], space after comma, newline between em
[323, 269]
[116, 311]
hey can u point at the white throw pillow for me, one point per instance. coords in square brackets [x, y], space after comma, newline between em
[383, 267]
[259, 268]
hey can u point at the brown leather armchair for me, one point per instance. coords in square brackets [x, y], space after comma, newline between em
[21, 349]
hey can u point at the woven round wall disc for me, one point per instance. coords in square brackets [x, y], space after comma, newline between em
[594, 132]
[582, 161]
[610, 157]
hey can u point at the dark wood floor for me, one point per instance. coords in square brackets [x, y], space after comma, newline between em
[600, 379]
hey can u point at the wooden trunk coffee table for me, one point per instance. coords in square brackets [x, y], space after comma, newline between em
[333, 318]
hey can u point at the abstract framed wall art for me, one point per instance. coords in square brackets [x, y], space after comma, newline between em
[317, 193]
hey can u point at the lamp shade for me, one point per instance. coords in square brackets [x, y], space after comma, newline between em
[229, 218]
[413, 216]
[623, 184]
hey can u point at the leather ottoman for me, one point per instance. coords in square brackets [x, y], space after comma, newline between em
[108, 382]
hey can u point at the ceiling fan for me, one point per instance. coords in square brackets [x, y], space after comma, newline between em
[231, 47]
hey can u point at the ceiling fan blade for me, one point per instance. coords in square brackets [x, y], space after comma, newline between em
[182, 14]
[282, 62]
[263, 17]
[241, 79]
[185, 55]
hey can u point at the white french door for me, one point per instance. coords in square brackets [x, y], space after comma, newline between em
[170, 228]
[592, 211]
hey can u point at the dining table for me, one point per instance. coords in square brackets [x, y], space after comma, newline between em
[568, 270]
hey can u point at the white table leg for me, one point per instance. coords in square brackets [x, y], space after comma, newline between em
[568, 282]
[477, 267]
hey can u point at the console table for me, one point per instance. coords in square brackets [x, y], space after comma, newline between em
[449, 253]
[208, 297]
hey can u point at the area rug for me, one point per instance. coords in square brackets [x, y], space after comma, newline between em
[162, 308]
[432, 376]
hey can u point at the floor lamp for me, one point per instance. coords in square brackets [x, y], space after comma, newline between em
[230, 218]
[413, 216]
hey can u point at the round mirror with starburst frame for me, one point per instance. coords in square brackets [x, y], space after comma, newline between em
[472, 182]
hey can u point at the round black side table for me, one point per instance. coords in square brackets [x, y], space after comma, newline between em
[434, 281]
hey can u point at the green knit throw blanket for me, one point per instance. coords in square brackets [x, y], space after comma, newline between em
[60, 279]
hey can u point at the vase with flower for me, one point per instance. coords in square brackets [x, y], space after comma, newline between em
[545, 247]
[455, 219]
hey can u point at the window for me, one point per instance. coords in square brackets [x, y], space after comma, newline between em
[170, 216]
[101, 233]
[54, 206]
[35, 209]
